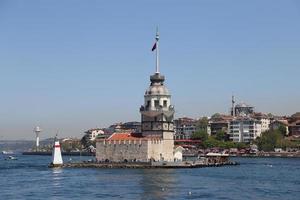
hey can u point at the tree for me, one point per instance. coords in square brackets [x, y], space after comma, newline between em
[282, 130]
[220, 135]
[211, 142]
[200, 135]
[202, 123]
[216, 115]
[85, 141]
[269, 140]
[71, 145]
[270, 115]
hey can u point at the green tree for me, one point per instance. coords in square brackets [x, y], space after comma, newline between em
[270, 115]
[211, 142]
[200, 135]
[220, 135]
[216, 115]
[86, 142]
[202, 124]
[241, 145]
[69, 146]
[282, 130]
[269, 140]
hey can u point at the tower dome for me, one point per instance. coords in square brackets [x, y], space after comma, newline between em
[157, 90]
[157, 86]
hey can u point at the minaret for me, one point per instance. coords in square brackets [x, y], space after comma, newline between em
[157, 113]
[232, 106]
[37, 131]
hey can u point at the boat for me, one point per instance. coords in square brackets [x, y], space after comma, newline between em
[11, 158]
[7, 152]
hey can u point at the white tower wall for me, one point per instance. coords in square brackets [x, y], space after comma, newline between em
[56, 154]
[37, 141]
[37, 131]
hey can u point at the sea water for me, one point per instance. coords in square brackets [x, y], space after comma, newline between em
[255, 178]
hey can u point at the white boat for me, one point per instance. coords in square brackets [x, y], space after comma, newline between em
[7, 152]
[11, 158]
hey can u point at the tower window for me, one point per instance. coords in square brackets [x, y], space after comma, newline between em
[156, 103]
[148, 104]
[165, 103]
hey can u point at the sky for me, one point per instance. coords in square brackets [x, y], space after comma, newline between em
[68, 66]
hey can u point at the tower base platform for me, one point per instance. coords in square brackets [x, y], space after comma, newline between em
[147, 165]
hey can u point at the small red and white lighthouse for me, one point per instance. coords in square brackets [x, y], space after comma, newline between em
[57, 160]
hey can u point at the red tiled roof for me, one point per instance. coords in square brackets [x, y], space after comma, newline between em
[129, 136]
[125, 136]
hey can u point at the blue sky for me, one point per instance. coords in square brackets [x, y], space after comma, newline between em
[75, 65]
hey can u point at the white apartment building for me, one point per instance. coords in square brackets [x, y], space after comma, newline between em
[244, 129]
[93, 133]
[265, 124]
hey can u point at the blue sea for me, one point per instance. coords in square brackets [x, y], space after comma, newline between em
[255, 178]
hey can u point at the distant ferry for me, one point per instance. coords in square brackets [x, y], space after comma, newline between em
[7, 152]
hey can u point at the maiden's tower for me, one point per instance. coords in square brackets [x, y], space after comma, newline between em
[155, 142]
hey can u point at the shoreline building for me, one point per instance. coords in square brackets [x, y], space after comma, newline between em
[294, 125]
[280, 122]
[121, 127]
[93, 133]
[184, 127]
[244, 129]
[264, 120]
[246, 125]
[219, 123]
[155, 142]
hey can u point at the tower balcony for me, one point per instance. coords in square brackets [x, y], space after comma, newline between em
[157, 108]
[157, 78]
[155, 112]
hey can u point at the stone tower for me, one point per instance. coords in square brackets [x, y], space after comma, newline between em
[157, 119]
[157, 113]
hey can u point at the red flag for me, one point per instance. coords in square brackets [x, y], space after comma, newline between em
[154, 47]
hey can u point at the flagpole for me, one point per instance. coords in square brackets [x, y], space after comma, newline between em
[157, 51]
